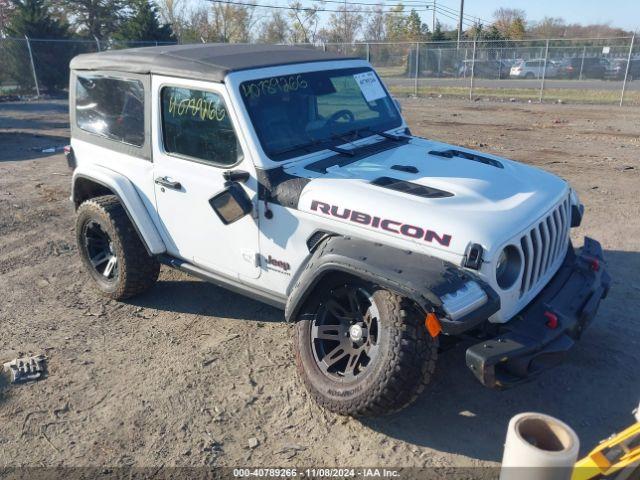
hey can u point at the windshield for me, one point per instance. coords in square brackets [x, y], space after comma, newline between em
[302, 113]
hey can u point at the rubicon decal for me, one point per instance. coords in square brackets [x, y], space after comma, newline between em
[386, 224]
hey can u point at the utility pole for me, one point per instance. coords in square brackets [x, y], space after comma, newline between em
[33, 67]
[626, 72]
[460, 22]
[345, 25]
[433, 17]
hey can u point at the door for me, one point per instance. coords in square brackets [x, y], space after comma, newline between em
[195, 144]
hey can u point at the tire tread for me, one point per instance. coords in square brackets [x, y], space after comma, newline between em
[139, 270]
[410, 367]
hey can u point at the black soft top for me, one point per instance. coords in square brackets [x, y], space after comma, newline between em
[212, 61]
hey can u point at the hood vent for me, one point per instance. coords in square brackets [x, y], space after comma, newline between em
[405, 168]
[469, 156]
[410, 188]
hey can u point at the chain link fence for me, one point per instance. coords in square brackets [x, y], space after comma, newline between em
[580, 70]
[565, 70]
[41, 66]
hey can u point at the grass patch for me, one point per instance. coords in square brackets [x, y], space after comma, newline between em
[397, 71]
[571, 95]
[7, 89]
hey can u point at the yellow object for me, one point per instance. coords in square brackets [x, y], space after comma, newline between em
[620, 451]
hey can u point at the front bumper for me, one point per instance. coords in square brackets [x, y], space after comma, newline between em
[542, 333]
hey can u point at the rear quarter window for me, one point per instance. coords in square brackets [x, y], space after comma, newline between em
[111, 107]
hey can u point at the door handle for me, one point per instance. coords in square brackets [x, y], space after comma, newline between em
[167, 182]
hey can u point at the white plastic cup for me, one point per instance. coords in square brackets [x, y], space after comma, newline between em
[539, 447]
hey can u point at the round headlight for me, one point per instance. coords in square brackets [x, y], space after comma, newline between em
[508, 267]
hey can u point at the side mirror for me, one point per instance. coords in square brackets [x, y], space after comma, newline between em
[397, 104]
[231, 204]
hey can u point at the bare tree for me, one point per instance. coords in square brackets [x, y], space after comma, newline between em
[550, 27]
[172, 12]
[375, 29]
[304, 22]
[344, 24]
[507, 20]
[600, 30]
[196, 24]
[275, 29]
[232, 23]
[6, 7]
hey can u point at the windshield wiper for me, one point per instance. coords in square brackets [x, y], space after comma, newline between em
[390, 136]
[313, 143]
[341, 151]
[357, 133]
[293, 148]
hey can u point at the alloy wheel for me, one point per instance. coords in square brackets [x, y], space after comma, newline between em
[345, 333]
[100, 250]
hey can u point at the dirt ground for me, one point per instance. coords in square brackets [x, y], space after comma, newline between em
[188, 373]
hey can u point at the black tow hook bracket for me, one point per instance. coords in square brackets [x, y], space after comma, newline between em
[473, 256]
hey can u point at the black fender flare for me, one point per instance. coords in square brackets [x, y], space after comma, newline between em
[421, 278]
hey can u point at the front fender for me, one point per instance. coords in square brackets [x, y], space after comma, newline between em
[128, 196]
[421, 278]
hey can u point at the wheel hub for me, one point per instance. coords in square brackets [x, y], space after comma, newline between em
[356, 333]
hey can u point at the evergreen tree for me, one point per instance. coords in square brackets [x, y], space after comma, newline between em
[438, 35]
[143, 24]
[51, 59]
[95, 18]
[493, 34]
[476, 32]
[416, 30]
[394, 24]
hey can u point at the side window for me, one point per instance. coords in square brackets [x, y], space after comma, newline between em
[196, 124]
[111, 107]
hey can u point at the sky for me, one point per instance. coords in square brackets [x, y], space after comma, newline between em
[619, 13]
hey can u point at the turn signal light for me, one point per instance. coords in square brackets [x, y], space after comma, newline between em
[552, 320]
[433, 324]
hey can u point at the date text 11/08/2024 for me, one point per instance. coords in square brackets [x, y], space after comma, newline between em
[316, 473]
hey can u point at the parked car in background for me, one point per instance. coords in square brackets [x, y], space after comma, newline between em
[534, 69]
[578, 67]
[485, 69]
[618, 67]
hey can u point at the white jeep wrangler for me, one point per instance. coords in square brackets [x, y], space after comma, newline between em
[289, 175]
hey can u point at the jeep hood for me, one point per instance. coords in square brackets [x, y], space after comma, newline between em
[488, 205]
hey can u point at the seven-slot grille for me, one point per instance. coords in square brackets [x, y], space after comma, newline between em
[543, 244]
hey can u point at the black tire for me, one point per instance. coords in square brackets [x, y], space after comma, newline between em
[402, 367]
[133, 270]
